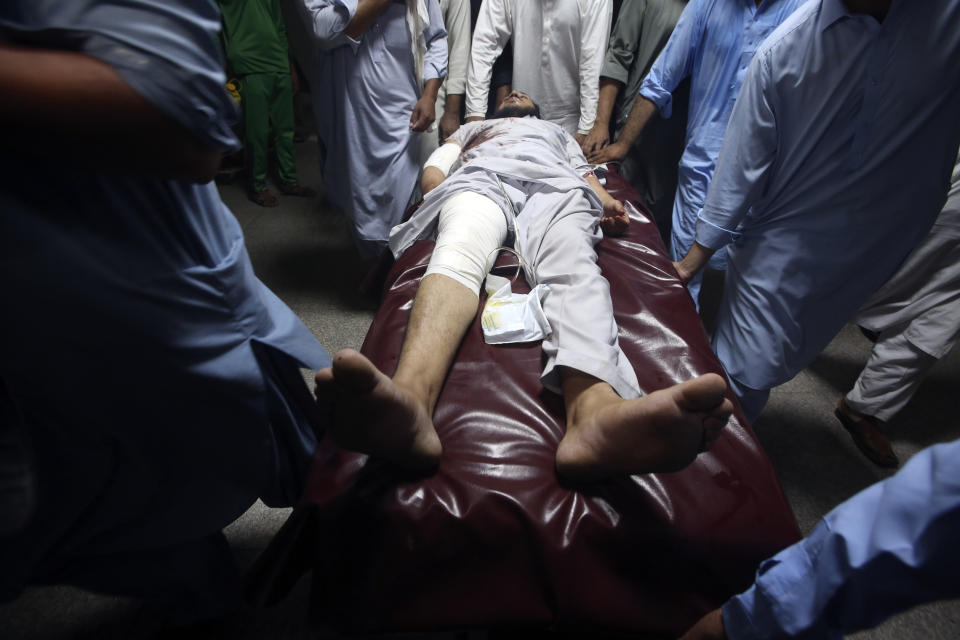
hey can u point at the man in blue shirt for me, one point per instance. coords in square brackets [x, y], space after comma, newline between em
[834, 136]
[712, 44]
[890, 547]
[155, 378]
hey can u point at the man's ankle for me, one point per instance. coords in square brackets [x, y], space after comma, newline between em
[421, 391]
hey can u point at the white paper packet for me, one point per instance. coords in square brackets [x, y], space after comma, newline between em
[513, 317]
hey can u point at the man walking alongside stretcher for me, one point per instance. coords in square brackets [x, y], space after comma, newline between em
[518, 179]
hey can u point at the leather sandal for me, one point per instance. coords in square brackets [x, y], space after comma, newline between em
[264, 198]
[866, 434]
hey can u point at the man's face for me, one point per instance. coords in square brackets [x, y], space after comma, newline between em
[516, 105]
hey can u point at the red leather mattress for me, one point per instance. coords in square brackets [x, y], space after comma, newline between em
[494, 540]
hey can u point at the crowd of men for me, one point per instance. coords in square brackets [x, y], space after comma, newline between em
[793, 145]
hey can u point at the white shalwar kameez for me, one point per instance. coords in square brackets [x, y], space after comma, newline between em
[916, 316]
[363, 96]
[555, 230]
[558, 50]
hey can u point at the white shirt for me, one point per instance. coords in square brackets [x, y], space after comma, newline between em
[558, 50]
[456, 19]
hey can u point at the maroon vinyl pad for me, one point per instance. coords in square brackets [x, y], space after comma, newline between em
[494, 539]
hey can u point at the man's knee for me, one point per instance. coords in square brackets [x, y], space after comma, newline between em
[470, 230]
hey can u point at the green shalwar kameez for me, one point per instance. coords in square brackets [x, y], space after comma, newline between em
[255, 39]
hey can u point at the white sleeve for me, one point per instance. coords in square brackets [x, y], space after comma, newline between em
[594, 35]
[457, 20]
[493, 30]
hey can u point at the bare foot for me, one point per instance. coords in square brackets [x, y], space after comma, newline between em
[373, 415]
[664, 431]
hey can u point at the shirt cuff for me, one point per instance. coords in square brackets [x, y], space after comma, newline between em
[431, 71]
[614, 71]
[752, 613]
[658, 96]
[737, 623]
[713, 236]
[456, 87]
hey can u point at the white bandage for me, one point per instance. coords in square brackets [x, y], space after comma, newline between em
[444, 157]
[471, 228]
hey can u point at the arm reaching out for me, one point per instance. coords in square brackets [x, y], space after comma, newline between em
[599, 135]
[643, 110]
[425, 111]
[674, 63]
[693, 262]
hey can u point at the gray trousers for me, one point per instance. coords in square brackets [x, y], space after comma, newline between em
[556, 233]
[916, 316]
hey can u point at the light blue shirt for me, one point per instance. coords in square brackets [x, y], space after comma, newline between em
[364, 94]
[836, 162]
[712, 44]
[888, 548]
[185, 401]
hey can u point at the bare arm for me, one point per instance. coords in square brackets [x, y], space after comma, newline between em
[367, 12]
[432, 177]
[76, 110]
[643, 110]
[599, 135]
[710, 627]
[425, 111]
[615, 219]
[450, 121]
[693, 262]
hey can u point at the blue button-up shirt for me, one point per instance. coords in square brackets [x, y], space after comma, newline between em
[890, 547]
[712, 44]
[836, 162]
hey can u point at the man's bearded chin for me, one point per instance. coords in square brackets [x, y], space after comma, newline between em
[516, 111]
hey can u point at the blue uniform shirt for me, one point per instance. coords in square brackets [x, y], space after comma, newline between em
[890, 547]
[836, 162]
[712, 44]
[158, 377]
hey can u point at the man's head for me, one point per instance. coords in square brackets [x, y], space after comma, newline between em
[516, 105]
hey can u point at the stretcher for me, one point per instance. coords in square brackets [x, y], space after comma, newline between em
[494, 540]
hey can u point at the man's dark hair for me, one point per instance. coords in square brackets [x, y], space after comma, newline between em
[516, 111]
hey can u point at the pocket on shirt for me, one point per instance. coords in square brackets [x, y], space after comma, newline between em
[396, 37]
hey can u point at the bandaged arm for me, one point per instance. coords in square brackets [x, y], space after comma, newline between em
[438, 165]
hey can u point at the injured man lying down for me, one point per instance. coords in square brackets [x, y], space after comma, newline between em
[515, 180]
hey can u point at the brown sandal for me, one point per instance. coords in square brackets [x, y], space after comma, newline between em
[264, 198]
[866, 434]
